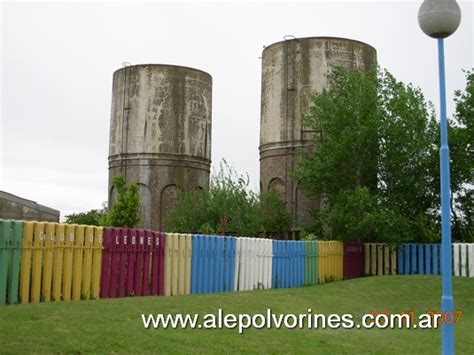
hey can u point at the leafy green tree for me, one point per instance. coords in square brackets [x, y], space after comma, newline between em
[93, 217]
[126, 207]
[229, 206]
[373, 162]
[273, 213]
[461, 140]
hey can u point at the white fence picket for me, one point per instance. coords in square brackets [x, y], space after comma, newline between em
[471, 259]
[463, 263]
[456, 259]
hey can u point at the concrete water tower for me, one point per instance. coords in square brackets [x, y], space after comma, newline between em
[160, 134]
[291, 70]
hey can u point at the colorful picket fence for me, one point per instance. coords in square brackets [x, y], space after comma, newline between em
[42, 261]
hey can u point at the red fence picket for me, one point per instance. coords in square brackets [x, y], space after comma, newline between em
[158, 240]
[106, 259]
[146, 262]
[132, 257]
[353, 265]
[139, 262]
[123, 251]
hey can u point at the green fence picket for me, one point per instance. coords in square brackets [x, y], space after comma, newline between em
[4, 248]
[16, 245]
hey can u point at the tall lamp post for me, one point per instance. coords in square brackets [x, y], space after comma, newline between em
[440, 19]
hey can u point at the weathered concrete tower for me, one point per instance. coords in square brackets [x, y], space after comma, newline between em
[160, 134]
[291, 71]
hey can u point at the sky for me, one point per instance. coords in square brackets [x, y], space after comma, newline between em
[57, 61]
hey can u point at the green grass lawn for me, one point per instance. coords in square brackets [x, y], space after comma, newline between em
[115, 325]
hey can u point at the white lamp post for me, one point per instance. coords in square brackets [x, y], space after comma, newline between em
[440, 19]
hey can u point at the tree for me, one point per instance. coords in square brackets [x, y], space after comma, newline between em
[95, 217]
[461, 140]
[273, 213]
[374, 161]
[126, 208]
[229, 206]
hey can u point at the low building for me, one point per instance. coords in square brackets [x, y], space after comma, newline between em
[15, 207]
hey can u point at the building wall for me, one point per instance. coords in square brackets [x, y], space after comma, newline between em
[14, 207]
[291, 71]
[160, 134]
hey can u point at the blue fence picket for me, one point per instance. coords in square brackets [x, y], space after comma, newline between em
[400, 257]
[233, 256]
[413, 258]
[421, 259]
[287, 264]
[436, 259]
[206, 264]
[291, 263]
[220, 264]
[295, 263]
[226, 264]
[283, 266]
[213, 265]
[428, 259]
[406, 248]
[301, 245]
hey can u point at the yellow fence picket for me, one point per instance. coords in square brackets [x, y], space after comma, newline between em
[181, 258]
[68, 259]
[386, 260]
[174, 265]
[380, 248]
[187, 264]
[77, 264]
[96, 262]
[38, 244]
[58, 261]
[48, 252]
[87, 262]
[168, 257]
[373, 257]
[25, 264]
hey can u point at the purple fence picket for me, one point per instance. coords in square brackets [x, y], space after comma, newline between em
[123, 255]
[353, 265]
[139, 262]
[105, 267]
[114, 264]
[146, 262]
[132, 256]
